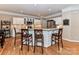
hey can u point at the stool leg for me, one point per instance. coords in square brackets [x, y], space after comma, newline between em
[21, 46]
[55, 39]
[15, 41]
[21, 43]
[32, 42]
[28, 44]
[34, 45]
[61, 41]
[58, 44]
[1, 45]
[42, 45]
[51, 40]
[2, 42]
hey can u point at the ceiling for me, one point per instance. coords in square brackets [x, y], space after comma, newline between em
[34, 9]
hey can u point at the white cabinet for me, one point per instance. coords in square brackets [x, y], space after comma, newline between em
[17, 20]
[37, 23]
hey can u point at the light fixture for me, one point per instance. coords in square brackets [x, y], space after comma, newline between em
[49, 9]
[60, 26]
[35, 5]
[21, 11]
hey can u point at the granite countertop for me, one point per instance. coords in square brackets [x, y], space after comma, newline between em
[46, 29]
[49, 28]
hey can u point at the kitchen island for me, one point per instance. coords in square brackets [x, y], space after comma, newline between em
[47, 32]
[47, 36]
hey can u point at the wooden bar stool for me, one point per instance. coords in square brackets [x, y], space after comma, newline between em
[38, 35]
[2, 38]
[26, 37]
[57, 37]
[16, 35]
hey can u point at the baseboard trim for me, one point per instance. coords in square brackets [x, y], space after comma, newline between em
[70, 40]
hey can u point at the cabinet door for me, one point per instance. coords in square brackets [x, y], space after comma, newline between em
[17, 20]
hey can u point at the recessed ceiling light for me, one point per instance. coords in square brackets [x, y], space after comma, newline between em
[21, 11]
[49, 9]
[35, 5]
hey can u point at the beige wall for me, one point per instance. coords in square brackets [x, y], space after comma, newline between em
[71, 32]
[67, 29]
[75, 26]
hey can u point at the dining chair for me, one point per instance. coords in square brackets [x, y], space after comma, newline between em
[38, 35]
[26, 38]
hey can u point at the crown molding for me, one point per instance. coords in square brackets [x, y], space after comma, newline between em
[70, 9]
[16, 14]
[54, 15]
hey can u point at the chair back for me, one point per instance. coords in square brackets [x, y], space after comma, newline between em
[60, 31]
[24, 32]
[38, 33]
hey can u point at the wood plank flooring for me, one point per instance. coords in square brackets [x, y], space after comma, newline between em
[70, 48]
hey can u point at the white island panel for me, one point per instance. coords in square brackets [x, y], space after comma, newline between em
[47, 36]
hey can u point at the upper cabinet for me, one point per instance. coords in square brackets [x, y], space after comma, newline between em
[29, 21]
[37, 23]
[18, 20]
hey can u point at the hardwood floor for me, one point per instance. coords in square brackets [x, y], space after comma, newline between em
[70, 48]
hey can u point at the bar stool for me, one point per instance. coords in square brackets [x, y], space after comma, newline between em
[26, 37]
[57, 37]
[38, 35]
[2, 38]
[16, 35]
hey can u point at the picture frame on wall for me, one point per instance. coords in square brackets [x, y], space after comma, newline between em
[66, 22]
